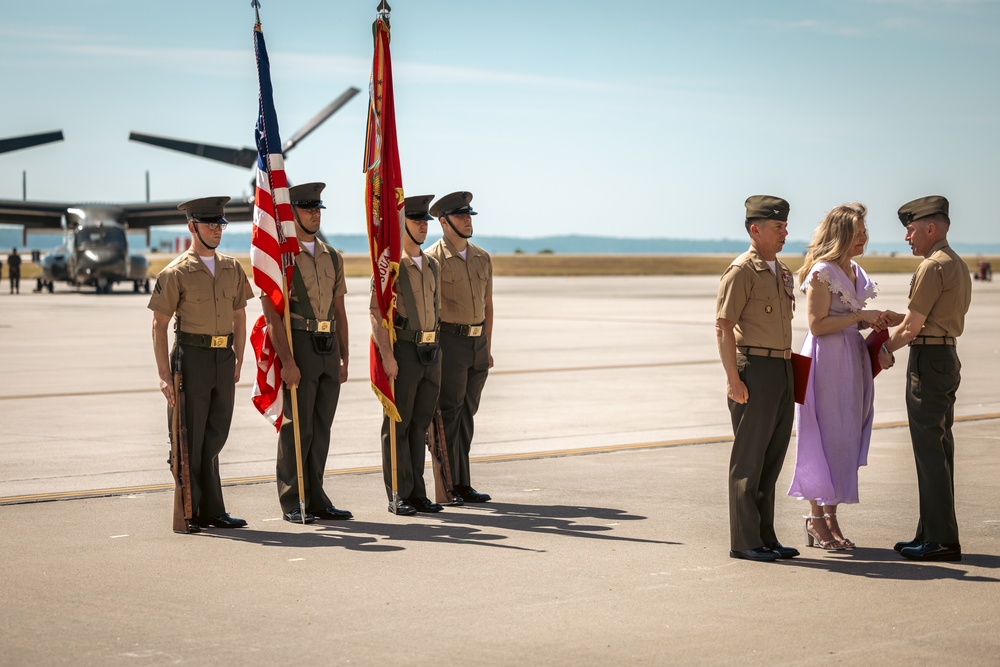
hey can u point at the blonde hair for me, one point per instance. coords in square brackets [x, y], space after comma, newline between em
[833, 239]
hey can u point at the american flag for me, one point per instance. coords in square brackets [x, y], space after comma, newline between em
[274, 245]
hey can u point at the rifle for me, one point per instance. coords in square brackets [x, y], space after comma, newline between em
[444, 490]
[180, 452]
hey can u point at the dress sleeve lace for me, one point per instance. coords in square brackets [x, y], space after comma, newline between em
[839, 284]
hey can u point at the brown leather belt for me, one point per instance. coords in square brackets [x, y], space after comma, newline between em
[205, 340]
[764, 352]
[470, 330]
[933, 340]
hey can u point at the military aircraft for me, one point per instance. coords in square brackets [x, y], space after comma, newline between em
[95, 236]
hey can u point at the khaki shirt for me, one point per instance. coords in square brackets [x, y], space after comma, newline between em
[759, 303]
[465, 284]
[203, 303]
[941, 290]
[423, 287]
[323, 281]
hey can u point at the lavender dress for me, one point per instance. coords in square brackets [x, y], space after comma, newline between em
[834, 425]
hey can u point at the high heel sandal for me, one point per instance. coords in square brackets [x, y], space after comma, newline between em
[847, 544]
[813, 538]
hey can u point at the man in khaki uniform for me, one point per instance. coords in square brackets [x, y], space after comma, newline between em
[414, 362]
[207, 291]
[319, 364]
[940, 294]
[753, 328]
[466, 332]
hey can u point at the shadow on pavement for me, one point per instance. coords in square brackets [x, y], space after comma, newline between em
[452, 526]
[887, 564]
[547, 519]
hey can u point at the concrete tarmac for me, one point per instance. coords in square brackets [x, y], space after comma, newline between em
[617, 554]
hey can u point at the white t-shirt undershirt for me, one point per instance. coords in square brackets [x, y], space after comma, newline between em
[210, 263]
[774, 265]
[419, 261]
[310, 246]
[463, 253]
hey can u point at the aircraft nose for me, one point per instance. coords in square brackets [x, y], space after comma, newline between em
[101, 256]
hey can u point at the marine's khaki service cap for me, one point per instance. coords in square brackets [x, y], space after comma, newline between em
[768, 207]
[307, 195]
[923, 207]
[456, 202]
[211, 208]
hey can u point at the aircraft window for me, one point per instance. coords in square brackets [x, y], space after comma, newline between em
[99, 235]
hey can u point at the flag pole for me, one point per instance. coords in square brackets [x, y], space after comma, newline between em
[295, 402]
[383, 196]
[383, 11]
[291, 349]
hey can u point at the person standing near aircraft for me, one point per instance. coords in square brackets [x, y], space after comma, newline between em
[753, 328]
[414, 362]
[207, 292]
[316, 362]
[14, 271]
[940, 295]
[466, 332]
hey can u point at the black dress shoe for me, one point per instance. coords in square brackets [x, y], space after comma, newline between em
[470, 495]
[783, 552]
[295, 516]
[902, 545]
[423, 505]
[933, 551]
[191, 529]
[332, 512]
[760, 554]
[223, 521]
[402, 509]
[455, 500]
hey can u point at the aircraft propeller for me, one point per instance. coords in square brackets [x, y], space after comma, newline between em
[243, 157]
[17, 143]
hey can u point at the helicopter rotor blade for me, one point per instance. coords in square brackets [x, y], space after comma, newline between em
[17, 143]
[318, 119]
[241, 157]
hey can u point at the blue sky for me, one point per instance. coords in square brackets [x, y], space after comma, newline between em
[620, 118]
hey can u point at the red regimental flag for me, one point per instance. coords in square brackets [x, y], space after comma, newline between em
[274, 245]
[383, 202]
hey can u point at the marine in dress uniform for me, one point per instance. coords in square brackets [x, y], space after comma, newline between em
[414, 362]
[466, 332]
[207, 292]
[316, 363]
[754, 332]
[940, 294]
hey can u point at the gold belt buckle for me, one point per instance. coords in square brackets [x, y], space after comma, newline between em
[219, 341]
[787, 354]
[323, 326]
[475, 330]
[428, 337]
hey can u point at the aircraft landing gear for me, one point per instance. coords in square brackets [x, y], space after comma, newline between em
[103, 286]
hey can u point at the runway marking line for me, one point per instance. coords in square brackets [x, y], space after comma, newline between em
[553, 453]
[514, 371]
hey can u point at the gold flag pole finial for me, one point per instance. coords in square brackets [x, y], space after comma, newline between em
[383, 10]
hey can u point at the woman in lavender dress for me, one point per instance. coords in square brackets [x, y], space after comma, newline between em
[834, 425]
